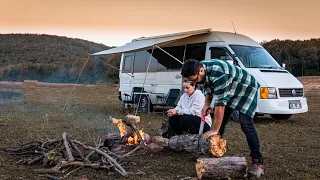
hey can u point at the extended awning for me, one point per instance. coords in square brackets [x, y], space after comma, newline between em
[147, 43]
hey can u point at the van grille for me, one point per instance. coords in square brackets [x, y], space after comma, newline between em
[298, 92]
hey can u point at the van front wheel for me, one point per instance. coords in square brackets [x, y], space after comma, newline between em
[281, 116]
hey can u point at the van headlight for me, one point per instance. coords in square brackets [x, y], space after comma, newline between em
[268, 93]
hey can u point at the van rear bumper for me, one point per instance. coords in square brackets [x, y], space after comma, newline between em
[280, 106]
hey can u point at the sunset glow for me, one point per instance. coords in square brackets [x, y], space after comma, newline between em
[114, 23]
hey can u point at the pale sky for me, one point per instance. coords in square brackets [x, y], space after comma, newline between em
[114, 23]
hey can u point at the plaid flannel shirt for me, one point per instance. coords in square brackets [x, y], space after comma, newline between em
[229, 85]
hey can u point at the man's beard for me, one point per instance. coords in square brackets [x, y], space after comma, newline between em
[202, 81]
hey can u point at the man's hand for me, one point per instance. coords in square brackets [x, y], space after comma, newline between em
[204, 109]
[206, 104]
[208, 134]
[171, 112]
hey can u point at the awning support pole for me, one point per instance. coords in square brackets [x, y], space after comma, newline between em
[169, 54]
[84, 65]
[184, 52]
[144, 81]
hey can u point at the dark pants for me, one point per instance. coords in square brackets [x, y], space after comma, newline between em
[247, 126]
[190, 124]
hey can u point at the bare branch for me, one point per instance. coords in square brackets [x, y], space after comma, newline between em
[75, 147]
[114, 162]
[66, 145]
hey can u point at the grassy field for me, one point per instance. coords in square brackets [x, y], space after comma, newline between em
[291, 148]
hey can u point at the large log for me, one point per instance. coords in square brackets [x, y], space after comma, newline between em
[221, 168]
[194, 143]
[189, 143]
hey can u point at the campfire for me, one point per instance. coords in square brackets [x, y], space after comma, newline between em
[129, 137]
[66, 155]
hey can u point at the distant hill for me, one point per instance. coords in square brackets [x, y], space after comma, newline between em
[53, 59]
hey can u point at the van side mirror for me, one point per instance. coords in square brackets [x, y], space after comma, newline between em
[283, 66]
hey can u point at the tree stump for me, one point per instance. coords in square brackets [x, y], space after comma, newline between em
[221, 168]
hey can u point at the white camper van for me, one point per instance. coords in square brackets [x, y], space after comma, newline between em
[154, 63]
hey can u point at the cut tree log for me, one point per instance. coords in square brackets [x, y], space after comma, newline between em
[132, 119]
[221, 168]
[193, 143]
[189, 143]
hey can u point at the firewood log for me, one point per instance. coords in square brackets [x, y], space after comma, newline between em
[193, 143]
[221, 168]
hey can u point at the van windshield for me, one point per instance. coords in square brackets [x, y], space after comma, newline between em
[255, 57]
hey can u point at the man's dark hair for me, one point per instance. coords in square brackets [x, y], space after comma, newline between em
[190, 68]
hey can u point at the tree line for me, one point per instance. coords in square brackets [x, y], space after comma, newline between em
[51, 58]
[302, 58]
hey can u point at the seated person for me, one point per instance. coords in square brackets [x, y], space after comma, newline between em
[186, 116]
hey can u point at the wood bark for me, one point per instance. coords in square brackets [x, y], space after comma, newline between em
[189, 143]
[215, 145]
[221, 168]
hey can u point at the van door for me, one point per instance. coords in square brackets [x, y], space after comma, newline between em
[220, 51]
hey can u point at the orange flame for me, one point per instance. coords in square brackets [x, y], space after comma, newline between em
[123, 131]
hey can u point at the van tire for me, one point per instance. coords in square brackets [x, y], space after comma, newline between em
[281, 116]
[144, 103]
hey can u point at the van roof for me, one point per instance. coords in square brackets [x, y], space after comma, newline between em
[212, 36]
[189, 37]
[195, 32]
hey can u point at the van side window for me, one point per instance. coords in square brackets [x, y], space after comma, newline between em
[161, 61]
[140, 62]
[196, 51]
[166, 60]
[219, 53]
[127, 64]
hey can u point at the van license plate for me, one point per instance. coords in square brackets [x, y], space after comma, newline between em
[295, 104]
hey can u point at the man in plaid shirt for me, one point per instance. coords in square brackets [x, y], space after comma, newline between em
[227, 88]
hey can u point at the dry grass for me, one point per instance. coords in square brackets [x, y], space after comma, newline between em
[291, 148]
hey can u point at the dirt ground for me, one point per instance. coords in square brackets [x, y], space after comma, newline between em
[291, 148]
